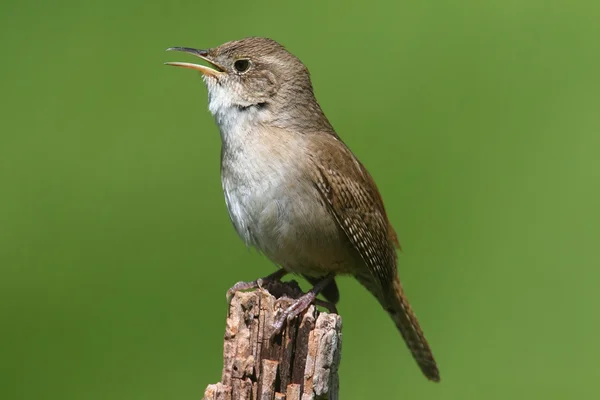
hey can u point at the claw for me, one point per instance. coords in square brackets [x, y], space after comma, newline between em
[275, 276]
[242, 286]
[299, 305]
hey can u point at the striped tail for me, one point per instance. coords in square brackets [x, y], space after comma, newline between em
[406, 322]
[396, 304]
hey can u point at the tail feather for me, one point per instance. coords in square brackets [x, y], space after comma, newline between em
[396, 304]
[406, 321]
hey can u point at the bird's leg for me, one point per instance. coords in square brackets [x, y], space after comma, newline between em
[275, 276]
[300, 304]
[326, 304]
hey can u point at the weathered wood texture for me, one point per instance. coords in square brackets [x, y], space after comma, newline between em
[300, 363]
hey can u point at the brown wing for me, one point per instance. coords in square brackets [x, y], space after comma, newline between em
[351, 194]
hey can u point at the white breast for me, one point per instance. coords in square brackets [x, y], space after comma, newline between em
[272, 201]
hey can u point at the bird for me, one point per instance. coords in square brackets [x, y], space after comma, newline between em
[294, 190]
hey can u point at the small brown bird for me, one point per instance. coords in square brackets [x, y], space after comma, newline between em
[293, 189]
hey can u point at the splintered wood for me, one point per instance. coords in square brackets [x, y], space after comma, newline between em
[300, 363]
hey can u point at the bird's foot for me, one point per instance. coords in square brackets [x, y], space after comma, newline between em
[301, 304]
[298, 307]
[259, 283]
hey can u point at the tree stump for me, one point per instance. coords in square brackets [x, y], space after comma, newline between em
[300, 363]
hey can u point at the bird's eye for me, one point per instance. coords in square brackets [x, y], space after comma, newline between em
[241, 65]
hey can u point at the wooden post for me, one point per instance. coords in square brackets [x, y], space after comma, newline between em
[300, 363]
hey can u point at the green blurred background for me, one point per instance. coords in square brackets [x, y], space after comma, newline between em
[480, 122]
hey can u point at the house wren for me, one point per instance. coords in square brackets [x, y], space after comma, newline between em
[293, 189]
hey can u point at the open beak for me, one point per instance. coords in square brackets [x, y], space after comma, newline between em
[203, 54]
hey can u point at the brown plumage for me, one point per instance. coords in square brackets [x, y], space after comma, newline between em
[294, 190]
[352, 196]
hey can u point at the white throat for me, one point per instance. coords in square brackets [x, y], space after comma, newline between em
[235, 121]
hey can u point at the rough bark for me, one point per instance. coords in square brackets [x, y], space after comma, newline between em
[300, 363]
